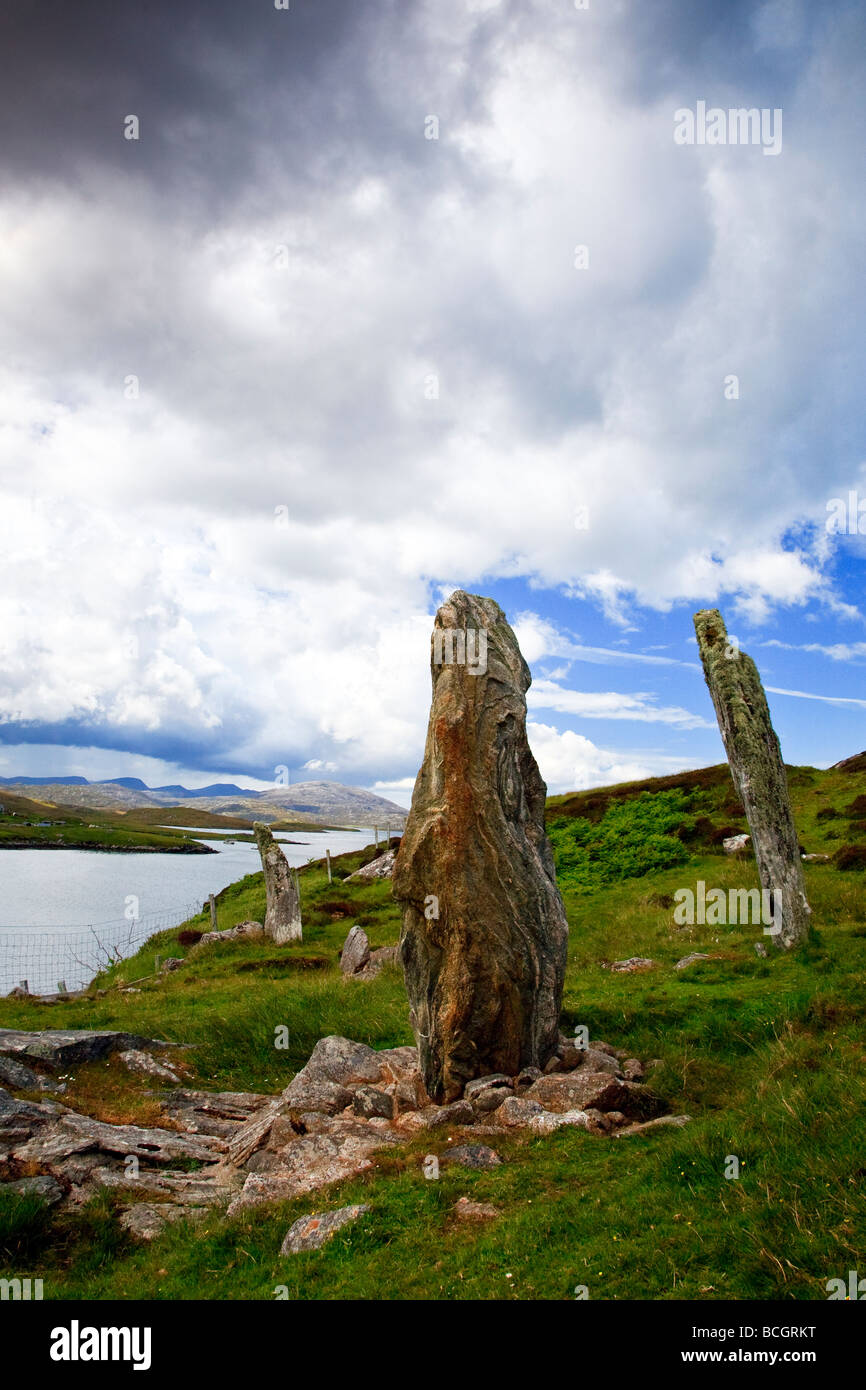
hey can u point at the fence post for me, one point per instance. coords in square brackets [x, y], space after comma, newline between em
[328, 862]
[213, 912]
[376, 833]
[61, 987]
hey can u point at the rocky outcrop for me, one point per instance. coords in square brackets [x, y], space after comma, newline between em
[380, 867]
[758, 771]
[343, 1108]
[283, 913]
[484, 935]
[64, 1047]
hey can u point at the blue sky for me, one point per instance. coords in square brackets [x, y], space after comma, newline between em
[322, 345]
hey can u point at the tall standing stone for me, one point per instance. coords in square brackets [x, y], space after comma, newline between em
[484, 934]
[283, 913]
[755, 760]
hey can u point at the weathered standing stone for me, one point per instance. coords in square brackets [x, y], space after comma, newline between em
[356, 951]
[484, 931]
[755, 760]
[283, 914]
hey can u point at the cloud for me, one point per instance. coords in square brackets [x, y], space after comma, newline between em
[282, 369]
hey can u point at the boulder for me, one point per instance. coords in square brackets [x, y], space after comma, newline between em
[632, 965]
[484, 934]
[283, 912]
[312, 1232]
[346, 1063]
[381, 867]
[356, 951]
[734, 843]
[370, 1102]
[517, 1111]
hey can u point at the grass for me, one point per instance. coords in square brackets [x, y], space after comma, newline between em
[766, 1055]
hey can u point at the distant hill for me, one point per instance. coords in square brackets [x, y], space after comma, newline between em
[326, 803]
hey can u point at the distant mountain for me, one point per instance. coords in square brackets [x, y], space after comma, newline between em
[329, 803]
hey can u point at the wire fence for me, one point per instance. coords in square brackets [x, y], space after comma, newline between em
[50, 960]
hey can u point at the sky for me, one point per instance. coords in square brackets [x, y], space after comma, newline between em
[311, 315]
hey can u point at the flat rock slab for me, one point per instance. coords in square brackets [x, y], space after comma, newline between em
[147, 1220]
[473, 1156]
[20, 1078]
[312, 1232]
[48, 1189]
[677, 1121]
[66, 1047]
[466, 1210]
[72, 1133]
[311, 1162]
[144, 1065]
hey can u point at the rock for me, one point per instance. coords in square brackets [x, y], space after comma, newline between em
[516, 1111]
[527, 1077]
[547, 1122]
[633, 1069]
[345, 1062]
[484, 1083]
[68, 1047]
[383, 955]
[311, 1162]
[632, 965]
[676, 1120]
[734, 843]
[815, 858]
[326, 1097]
[356, 951]
[484, 931]
[244, 931]
[147, 1220]
[465, 1210]
[761, 950]
[593, 1059]
[369, 1102]
[71, 1133]
[580, 1090]
[460, 1112]
[381, 867]
[312, 1232]
[171, 963]
[21, 1078]
[588, 1090]
[483, 1102]
[755, 760]
[690, 960]
[473, 1156]
[221, 1113]
[145, 1065]
[48, 1189]
[283, 912]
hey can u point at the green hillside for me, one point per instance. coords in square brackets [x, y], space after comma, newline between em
[766, 1054]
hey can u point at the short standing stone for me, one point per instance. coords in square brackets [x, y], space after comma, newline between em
[484, 930]
[356, 951]
[312, 1232]
[755, 760]
[283, 913]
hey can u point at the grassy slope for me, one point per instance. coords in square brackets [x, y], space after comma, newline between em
[82, 828]
[768, 1056]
